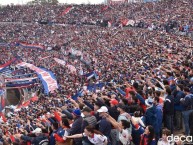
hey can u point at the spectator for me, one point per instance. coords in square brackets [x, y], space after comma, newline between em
[94, 136]
[148, 136]
[76, 126]
[188, 105]
[164, 140]
[168, 109]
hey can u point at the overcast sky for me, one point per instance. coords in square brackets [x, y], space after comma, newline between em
[5, 2]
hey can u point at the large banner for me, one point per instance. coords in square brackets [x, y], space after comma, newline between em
[47, 77]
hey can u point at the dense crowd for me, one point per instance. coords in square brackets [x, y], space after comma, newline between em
[142, 92]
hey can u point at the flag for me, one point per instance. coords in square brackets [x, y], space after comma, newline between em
[26, 45]
[75, 97]
[92, 74]
[34, 98]
[71, 68]
[3, 117]
[47, 77]
[126, 22]
[3, 67]
[66, 11]
[109, 23]
[76, 52]
[62, 62]
[25, 104]
[104, 8]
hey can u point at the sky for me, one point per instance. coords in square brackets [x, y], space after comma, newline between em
[5, 2]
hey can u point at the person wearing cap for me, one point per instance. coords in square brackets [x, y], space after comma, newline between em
[104, 125]
[76, 126]
[88, 120]
[113, 108]
[39, 139]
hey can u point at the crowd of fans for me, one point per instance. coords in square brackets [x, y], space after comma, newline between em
[143, 89]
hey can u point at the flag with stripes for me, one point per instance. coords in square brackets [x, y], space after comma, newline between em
[66, 11]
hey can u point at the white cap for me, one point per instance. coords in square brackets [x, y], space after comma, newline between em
[37, 130]
[48, 113]
[103, 109]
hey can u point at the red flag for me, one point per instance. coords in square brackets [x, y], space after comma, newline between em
[35, 98]
[104, 8]
[3, 117]
[26, 103]
[66, 11]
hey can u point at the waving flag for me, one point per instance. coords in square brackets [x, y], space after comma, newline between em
[91, 75]
[62, 62]
[78, 94]
[26, 45]
[25, 104]
[127, 22]
[2, 67]
[76, 52]
[47, 77]
[34, 98]
[71, 68]
[104, 8]
[66, 11]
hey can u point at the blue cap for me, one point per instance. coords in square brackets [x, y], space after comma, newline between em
[77, 112]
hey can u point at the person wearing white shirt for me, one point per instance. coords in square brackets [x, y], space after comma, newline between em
[94, 136]
[163, 140]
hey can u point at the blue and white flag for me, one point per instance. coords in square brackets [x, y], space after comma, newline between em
[47, 77]
[91, 75]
